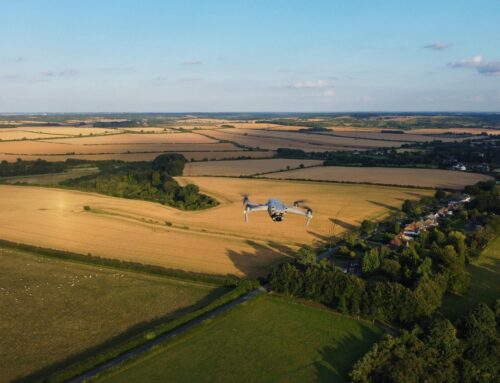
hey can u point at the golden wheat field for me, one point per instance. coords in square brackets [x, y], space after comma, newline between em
[432, 178]
[244, 167]
[215, 241]
[150, 155]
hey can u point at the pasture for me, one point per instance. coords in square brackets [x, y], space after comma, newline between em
[431, 178]
[267, 339]
[215, 240]
[54, 309]
[485, 274]
[244, 167]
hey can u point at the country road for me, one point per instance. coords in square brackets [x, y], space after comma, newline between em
[167, 337]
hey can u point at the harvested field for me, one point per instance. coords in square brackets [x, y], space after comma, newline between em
[258, 125]
[244, 167]
[266, 340]
[54, 309]
[455, 131]
[309, 142]
[80, 146]
[432, 178]
[133, 139]
[403, 137]
[51, 179]
[214, 241]
[148, 156]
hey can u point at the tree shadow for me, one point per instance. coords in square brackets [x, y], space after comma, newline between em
[321, 237]
[336, 361]
[43, 373]
[251, 263]
[343, 224]
[384, 205]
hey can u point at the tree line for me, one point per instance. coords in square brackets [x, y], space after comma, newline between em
[150, 181]
[437, 351]
[398, 284]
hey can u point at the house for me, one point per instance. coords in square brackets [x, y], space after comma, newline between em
[413, 228]
[460, 167]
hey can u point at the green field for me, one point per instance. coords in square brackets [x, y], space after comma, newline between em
[267, 339]
[485, 284]
[52, 310]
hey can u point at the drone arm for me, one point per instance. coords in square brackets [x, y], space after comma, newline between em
[296, 210]
[251, 208]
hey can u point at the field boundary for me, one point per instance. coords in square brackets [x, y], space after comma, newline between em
[217, 280]
[190, 323]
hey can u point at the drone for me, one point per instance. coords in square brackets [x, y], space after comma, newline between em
[277, 209]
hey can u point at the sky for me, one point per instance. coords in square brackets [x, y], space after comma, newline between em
[249, 56]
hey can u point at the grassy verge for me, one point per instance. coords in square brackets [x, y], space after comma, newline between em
[265, 339]
[485, 286]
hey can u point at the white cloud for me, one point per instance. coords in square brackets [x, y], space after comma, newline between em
[311, 84]
[486, 68]
[438, 46]
[191, 62]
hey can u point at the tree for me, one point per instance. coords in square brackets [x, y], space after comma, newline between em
[440, 194]
[306, 255]
[367, 226]
[371, 261]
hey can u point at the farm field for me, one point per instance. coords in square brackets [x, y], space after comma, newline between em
[150, 155]
[54, 309]
[310, 142]
[136, 138]
[267, 339]
[454, 131]
[244, 167]
[432, 178]
[485, 274]
[403, 137]
[51, 179]
[82, 146]
[215, 240]
[37, 132]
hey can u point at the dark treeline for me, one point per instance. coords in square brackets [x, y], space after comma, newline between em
[430, 154]
[399, 283]
[438, 351]
[22, 168]
[151, 181]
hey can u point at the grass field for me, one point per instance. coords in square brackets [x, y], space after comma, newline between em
[433, 178]
[485, 286]
[216, 240]
[244, 167]
[53, 309]
[266, 340]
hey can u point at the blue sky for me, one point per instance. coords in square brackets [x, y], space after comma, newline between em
[210, 56]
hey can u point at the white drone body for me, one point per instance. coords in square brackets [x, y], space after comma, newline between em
[277, 210]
